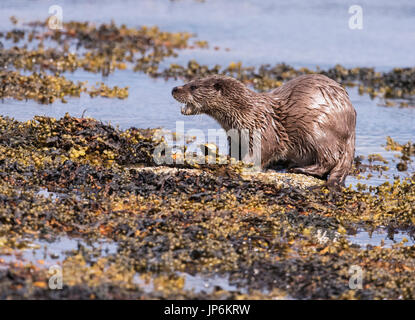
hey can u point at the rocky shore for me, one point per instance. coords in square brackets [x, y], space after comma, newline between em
[174, 229]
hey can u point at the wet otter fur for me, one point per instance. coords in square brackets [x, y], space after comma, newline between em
[308, 122]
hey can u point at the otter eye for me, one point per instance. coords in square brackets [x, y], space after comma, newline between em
[193, 88]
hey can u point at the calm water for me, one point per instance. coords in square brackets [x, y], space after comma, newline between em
[300, 33]
[377, 237]
[49, 253]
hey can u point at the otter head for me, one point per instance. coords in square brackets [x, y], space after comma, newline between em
[212, 95]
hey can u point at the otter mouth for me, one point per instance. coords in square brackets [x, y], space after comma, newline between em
[189, 109]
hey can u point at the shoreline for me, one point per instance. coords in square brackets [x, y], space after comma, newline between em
[73, 178]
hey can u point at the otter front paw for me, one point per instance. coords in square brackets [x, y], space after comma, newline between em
[296, 170]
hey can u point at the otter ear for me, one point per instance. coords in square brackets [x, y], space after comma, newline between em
[218, 86]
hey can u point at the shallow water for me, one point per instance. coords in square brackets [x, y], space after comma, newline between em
[201, 284]
[196, 283]
[40, 252]
[300, 33]
[377, 237]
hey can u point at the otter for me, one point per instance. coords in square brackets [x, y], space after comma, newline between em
[308, 122]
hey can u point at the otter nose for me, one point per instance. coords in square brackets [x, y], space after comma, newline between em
[175, 89]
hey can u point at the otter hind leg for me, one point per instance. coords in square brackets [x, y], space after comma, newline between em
[315, 170]
[338, 174]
